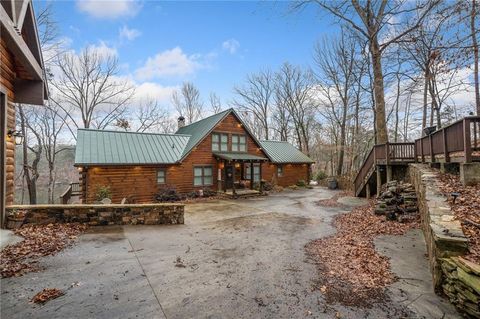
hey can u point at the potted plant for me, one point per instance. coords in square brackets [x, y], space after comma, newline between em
[16, 219]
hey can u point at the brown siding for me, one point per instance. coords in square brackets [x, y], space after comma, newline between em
[141, 183]
[292, 173]
[7, 77]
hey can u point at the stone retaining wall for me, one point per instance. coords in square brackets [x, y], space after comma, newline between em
[455, 276]
[462, 284]
[148, 214]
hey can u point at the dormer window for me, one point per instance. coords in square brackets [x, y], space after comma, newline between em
[239, 143]
[220, 142]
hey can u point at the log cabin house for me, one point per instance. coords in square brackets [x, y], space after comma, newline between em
[21, 81]
[218, 153]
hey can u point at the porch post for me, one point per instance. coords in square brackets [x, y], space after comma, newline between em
[225, 176]
[233, 180]
[251, 174]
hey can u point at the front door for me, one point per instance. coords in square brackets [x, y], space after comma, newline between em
[229, 172]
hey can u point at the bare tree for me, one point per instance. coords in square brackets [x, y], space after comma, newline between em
[215, 103]
[474, 32]
[255, 97]
[187, 102]
[148, 116]
[89, 90]
[294, 88]
[52, 121]
[381, 23]
[28, 122]
[335, 60]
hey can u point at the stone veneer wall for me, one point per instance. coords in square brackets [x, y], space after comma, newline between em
[458, 278]
[148, 214]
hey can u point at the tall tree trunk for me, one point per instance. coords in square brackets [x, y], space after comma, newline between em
[425, 98]
[475, 55]
[397, 106]
[380, 118]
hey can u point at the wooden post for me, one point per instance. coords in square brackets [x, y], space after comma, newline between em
[445, 146]
[379, 180]
[225, 176]
[389, 173]
[387, 153]
[421, 150]
[467, 143]
[367, 190]
[251, 175]
[233, 180]
[432, 157]
[415, 152]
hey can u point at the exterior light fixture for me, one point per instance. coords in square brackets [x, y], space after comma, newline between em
[17, 135]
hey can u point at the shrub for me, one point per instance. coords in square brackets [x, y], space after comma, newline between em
[209, 193]
[301, 183]
[267, 186]
[103, 192]
[168, 194]
[321, 175]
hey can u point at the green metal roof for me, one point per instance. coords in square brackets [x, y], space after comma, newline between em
[198, 130]
[99, 147]
[230, 156]
[284, 152]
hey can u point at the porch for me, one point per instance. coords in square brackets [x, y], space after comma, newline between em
[238, 173]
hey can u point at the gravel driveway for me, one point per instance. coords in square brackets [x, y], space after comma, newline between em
[231, 259]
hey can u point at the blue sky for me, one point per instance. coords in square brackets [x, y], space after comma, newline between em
[212, 44]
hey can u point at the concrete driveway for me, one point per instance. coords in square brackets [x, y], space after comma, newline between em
[231, 259]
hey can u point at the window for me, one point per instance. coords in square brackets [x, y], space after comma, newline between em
[239, 143]
[279, 170]
[202, 175]
[256, 171]
[219, 142]
[161, 176]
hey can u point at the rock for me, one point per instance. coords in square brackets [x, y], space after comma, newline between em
[467, 265]
[469, 280]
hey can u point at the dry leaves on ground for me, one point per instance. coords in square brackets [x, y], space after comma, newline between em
[46, 295]
[333, 201]
[466, 210]
[351, 271]
[39, 240]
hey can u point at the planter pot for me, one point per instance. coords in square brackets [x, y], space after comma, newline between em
[332, 184]
[14, 223]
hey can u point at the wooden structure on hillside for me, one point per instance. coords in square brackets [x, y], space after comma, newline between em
[21, 81]
[458, 142]
[217, 153]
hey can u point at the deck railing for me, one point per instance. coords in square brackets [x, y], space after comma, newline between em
[72, 190]
[459, 139]
[383, 154]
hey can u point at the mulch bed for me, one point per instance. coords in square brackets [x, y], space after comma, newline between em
[466, 210]
[39, 241]
[350, 270]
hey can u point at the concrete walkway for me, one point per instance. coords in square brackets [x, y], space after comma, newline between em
[7, 237]
[232, 259]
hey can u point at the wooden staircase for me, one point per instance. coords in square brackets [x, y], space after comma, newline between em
[71, 191]
[382, 156]
[458, 142]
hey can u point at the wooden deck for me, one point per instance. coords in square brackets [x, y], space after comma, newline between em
[458, 142]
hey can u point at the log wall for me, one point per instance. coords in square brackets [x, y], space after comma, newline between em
[292, 173]
[7, 77]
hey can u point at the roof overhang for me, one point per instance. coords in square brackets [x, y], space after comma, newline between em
[30, 91]
[239, 157]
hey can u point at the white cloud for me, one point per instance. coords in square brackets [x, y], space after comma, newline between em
[169, 63]
[231, 45]
[161, 94]
[129, 34]
[104, 50]
[109, 9]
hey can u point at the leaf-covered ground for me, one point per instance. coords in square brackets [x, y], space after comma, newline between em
[466, 209]
[39, 241]
[350, 270]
